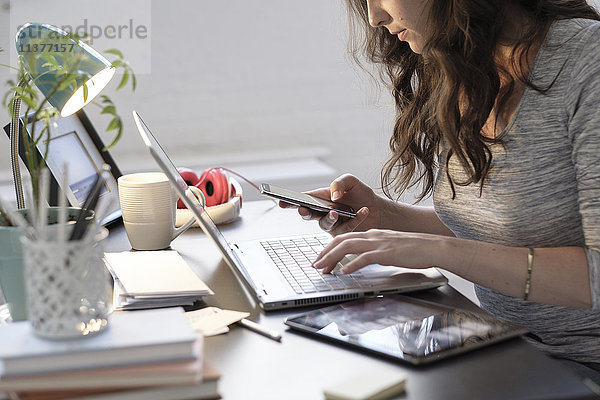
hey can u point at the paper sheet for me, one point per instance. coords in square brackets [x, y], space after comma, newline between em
[155, 273]
[212, 321]
[128, 303]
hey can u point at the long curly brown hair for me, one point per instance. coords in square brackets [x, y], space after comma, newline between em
[448, 91]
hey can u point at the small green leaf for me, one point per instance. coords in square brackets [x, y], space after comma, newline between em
[115, 52]
[124, 80]
[85, 92]
[109, 110]
[17, 89]
[29, 101]
[69, 81]
[118, 63]
[115, 139]
[114, 124]
[49, 58]
[133, 81]
[31, 92]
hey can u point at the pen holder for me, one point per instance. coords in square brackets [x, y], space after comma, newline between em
[68, 288]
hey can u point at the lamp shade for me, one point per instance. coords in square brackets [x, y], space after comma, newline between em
[43, 47]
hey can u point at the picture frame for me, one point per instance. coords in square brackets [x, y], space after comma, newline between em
[75, 141]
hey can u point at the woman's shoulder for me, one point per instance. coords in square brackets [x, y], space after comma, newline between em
[570, 45]
[574, 23]
[574, 32]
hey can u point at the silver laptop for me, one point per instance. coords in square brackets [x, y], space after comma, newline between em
[278, 271]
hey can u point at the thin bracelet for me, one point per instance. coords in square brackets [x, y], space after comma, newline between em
[529, 268]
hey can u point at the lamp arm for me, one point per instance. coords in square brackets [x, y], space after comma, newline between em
[15, 134]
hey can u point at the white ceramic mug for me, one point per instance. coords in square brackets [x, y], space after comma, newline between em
[148, 203]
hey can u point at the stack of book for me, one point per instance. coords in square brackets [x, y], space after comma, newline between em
[151, 279]
[149, 354]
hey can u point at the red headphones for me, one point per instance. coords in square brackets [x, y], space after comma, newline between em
[213, 183]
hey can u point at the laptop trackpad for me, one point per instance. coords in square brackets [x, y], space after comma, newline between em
[378, 274]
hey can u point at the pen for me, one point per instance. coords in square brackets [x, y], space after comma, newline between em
[43, 194]
[62, 205]
[90, 203]
[253, 326]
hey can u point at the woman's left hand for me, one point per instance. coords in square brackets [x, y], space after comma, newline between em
[377, 246]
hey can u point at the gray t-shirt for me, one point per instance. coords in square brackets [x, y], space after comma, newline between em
[544, 187]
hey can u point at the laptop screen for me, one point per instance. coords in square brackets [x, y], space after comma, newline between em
[182, 190]
[151, 142]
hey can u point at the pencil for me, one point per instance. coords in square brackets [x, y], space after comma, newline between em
[253, 326]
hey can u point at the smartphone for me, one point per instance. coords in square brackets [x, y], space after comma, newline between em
[306, 200]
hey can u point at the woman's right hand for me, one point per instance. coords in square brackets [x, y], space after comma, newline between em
[350, 190]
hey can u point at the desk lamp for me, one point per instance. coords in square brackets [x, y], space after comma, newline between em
[92, 74]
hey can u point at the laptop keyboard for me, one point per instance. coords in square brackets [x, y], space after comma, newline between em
[293, 257]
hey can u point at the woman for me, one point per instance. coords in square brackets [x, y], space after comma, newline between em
[498, 116]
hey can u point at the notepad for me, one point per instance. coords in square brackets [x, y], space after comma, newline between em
[124, 302]
[155, 273]
[368, 385]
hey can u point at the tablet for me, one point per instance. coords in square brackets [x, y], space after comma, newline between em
[404, 328]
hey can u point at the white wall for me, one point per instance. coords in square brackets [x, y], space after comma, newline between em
[237, 82]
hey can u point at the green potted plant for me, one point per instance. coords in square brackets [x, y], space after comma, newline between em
[55, 69]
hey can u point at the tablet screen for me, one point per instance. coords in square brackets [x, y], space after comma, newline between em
[405, 328]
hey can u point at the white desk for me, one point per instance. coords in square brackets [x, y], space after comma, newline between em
[254, 367]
